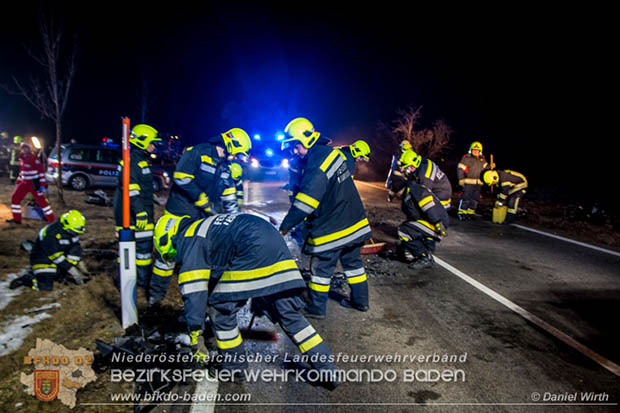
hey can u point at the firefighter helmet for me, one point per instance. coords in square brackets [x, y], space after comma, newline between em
[17, 139]
[302, 130]
[475, 146]
[410, 158]
[360, 148]
[237, 141]
[166, 228]
[490, 177]
[236, 171]
[24, 145]
[4, 135]
[405, 146]
[143, 135]
[73, 221]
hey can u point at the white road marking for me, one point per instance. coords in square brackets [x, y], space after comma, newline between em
[206, 387]
[583, 244]
[609, 365]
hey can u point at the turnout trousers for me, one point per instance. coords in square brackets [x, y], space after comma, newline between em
[469, 199]
[323, 265]
[282, 308]
[415, 240]
[22, 189]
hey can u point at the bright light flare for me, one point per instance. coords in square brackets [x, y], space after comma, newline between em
[36, 142]
[285, 163]
[257, 137]
[254, 163]
[269, 152]
[280, 136]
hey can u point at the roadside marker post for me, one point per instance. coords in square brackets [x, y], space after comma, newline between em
[127, 245]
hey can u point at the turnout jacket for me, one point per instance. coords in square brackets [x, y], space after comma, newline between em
[395, 180]
[295, 171]
[197, 175]
[348, 156]
[328, 198]
[510, 182]
[31, 168]
[234, 257]
[433, 178]
[423, 209]
[470, 168]
[140, 187]
[55, 248]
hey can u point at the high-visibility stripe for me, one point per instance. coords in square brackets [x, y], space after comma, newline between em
[194, 287]
[307, 199]
[429, 169]
[40, 266]
[514, 209]
[237, 287]
[328, 161]
[202, 231]
[318, 287]
[320, 280]
[192, 228]
[194, 275]
[143, 164]
[162, 273]
[224, 345]
[339, 234]
[258, 272]
[306, 208]
[446, 202]
[228, 191]
[143, 263]
[332, 169]
[207, 159]
[56, 255]
[463, 166]
[304, 334]
[357, 280]
[227, 334]
[425, 201]
[340, 242]
[144, 234]
[471, 181]
[311, 343]
[181, 175]
[355, 272]
[134, 186]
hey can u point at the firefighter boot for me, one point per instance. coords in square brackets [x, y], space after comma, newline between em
[425, 261]
[198, 348]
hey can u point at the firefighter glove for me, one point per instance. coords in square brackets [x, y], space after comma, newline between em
[203, 202]
[77, 276]
[142, 219]
[440, 229]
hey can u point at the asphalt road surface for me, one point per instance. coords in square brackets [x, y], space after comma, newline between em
[466, 351]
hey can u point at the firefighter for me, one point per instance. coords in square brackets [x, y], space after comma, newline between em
[236, 173]
[194, 190]
[357, 151]
[427, 220]
[226, 260]
[337, 223]
[468, 172]
[31, 171]
[56, 254]
[197, 188]
[426, 172]
[512, 187]
[14, 159]
[5, 152]
[141, 216]
[395, 181]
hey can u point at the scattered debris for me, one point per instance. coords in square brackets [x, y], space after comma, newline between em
[99, 197]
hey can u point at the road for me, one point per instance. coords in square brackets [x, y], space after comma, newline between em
[497, 360]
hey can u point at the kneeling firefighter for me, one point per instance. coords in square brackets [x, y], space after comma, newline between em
[225, 260]
[512, 187]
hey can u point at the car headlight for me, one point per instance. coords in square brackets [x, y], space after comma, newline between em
[254, 163]
[285, 163]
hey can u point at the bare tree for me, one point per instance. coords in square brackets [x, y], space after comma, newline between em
[428, 142]
[49, 92]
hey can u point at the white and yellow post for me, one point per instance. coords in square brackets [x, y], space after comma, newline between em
[127, 245]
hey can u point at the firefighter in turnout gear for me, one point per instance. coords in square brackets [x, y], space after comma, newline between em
[31, 180]
[236, 173]
[512, 186]
[195, 188]
[396, 181]
[226, 260]
[468, 172]
[427, 173]
[337, 223]
[202, 186]
[357, 151]
[14, 159]
[427, 221]
[140, 197]
[56, 254]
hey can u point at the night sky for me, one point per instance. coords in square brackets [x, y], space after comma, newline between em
[532, 84]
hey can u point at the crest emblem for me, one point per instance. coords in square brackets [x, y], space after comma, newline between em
[46, 384]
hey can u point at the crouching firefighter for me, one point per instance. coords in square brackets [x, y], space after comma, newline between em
[427, 221]
[426, 172]
[337, 223]
[226, 260]
[56, 254]
[140, 198]
[395, 181]
[512, 186]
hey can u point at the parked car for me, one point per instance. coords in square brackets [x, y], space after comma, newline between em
[266, 162]
[84, 166]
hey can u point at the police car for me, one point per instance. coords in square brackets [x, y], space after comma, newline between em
[90, 165]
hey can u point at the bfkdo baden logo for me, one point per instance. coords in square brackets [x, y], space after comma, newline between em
[58, 372]
[46, 384]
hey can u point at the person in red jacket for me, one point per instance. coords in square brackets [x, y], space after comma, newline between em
[30, 171]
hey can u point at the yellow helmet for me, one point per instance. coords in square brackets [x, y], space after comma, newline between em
[17, 139]
[490, 177]
[166, 228]
[4, 135]
[360, 148]
[302, 130]
[237, 141]
[236, 171]
[73, 221]
[475, 145]
[405, 146]
[410, 158]
[143, 135]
